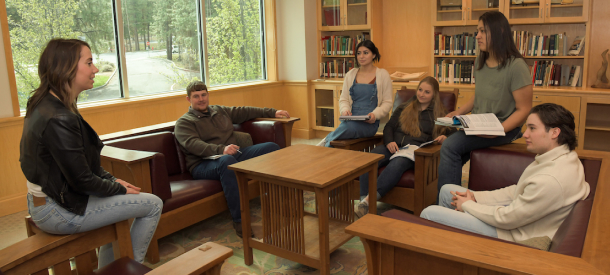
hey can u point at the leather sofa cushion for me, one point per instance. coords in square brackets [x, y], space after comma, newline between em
[263, 131]
[447, 98]
[591, 174]
[407, 180]
[123, 265]
[570, 237]
[161, 142]
[492, 169]
[185, 190]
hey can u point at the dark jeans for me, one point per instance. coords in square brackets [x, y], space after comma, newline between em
[217, 170]
[455, 152]
[390, 175]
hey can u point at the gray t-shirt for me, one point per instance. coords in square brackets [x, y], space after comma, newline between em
[493, 92]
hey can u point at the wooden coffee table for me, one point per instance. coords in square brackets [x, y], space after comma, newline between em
[289, 231]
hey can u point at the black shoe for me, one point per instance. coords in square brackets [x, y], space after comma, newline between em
[238, 230]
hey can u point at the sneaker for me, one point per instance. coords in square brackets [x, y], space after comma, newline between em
[363, 209]
[238, 230]
[322, 142]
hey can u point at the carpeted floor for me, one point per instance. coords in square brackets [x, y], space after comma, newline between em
[348, 259]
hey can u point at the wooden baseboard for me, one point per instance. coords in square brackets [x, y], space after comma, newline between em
[13, 204]
[303, 133]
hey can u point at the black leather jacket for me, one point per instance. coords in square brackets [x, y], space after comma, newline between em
[61, 153]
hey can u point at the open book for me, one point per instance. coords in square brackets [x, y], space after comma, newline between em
[362, 118]
[475, 124]
[408, 151]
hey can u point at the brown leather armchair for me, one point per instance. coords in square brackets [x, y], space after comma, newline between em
[583, 234]
[151, 159]
[417, 188]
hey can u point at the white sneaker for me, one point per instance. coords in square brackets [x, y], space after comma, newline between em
[362, 209]
[322, 142]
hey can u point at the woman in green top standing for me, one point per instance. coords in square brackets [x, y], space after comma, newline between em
[503, 87]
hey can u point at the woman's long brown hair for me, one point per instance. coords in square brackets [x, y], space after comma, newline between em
[409, 118]
[56, 69]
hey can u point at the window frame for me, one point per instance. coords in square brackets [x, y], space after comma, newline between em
[269, 62]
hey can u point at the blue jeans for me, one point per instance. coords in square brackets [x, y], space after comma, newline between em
[445, 213]
[144, 207]
[390, 175]
[216, 169]
[456, 149]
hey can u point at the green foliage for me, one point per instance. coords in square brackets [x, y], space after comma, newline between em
[99, 80]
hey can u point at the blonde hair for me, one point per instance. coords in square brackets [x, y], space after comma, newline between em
[409, 118]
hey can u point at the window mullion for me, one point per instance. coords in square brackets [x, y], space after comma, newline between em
[119, 34]
[204, 44]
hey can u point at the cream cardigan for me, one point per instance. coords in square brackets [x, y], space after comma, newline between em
[384, 93]
[537, 205]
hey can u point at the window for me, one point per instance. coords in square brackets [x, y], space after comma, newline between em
[163, 43]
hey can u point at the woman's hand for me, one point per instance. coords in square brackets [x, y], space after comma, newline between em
[440, 139]
[131, 189]
[392, 147]
[452, 114]
[346, 113]
[371, 119]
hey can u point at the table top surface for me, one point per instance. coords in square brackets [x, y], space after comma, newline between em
[307, 164]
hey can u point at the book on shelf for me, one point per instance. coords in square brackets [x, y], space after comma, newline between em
[529, 44]
[475, 124]
[577, 46]
[336, 68]
[547, 73]
[452, 71]
[459, 44]
[332, 16]
[576, 78]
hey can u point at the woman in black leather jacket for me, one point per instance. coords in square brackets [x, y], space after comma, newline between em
[68, 190]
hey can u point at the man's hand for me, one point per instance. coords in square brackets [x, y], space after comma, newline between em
[282, 114]
[230, 149]
[371, 119]
[460, 198]
[131, 189]
[392, 147]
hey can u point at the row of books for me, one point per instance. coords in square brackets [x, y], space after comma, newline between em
[336, 68]
[459, 44]
[541, 45]
[341, 45]
[452, 71]
[547, 73]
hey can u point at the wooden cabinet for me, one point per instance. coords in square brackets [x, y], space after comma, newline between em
[339, 15]
[464, 12]
[596, 132]
[547, 12]
[463, 97]
[326, 106]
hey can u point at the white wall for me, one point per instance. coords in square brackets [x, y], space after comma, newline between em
[6, 105]
[296, 39]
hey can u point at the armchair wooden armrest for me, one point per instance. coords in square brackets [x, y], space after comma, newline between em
[359, 144]
[286, 124]
[41, 251]
[129, 165]
[205, 259]
[394, 246]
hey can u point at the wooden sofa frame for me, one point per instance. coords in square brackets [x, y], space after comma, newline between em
[398, 247]
[133, 167]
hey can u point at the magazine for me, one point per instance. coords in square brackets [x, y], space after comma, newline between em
[475, 124]
[408, 151]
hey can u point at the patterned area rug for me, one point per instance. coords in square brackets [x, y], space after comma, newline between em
[348, 259]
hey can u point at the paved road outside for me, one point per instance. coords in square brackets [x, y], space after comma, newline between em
[146, 75]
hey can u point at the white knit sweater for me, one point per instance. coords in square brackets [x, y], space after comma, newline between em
[537, 205]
